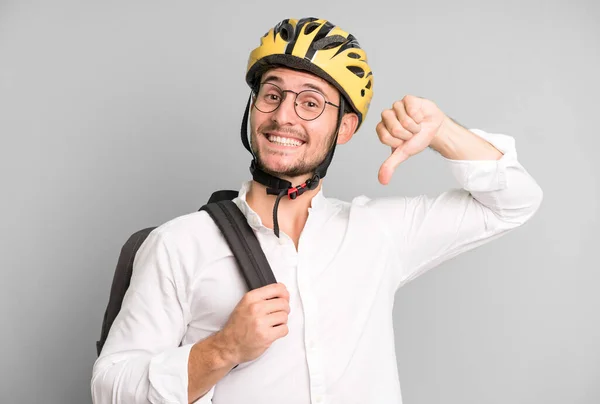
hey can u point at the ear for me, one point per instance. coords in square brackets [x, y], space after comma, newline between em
[347, 127]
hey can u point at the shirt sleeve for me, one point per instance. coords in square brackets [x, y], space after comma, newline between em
[495, 197]
[143, 360]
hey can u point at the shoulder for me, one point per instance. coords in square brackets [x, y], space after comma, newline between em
[364, 203]
[187, 225]
[193, 236]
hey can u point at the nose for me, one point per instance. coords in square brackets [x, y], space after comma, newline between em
[286, 113]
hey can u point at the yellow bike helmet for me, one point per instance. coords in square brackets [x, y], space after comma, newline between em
[319, 47]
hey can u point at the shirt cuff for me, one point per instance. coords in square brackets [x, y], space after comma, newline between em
[486, 175]
[168, 375]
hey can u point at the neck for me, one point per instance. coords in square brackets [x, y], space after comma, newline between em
[292, 214]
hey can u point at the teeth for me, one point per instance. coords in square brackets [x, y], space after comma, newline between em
[284, 141]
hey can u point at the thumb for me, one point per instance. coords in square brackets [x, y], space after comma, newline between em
[391, 163]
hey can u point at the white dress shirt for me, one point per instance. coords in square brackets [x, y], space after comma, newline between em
[352, 257]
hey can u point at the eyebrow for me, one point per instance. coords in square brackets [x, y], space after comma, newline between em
[311, 86]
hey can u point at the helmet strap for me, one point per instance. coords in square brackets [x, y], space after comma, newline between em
[278, 186]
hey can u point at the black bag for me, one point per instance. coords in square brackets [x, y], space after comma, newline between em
[232, 223]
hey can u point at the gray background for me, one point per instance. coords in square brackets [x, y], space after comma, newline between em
[119, 115]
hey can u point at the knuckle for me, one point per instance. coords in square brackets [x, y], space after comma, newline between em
[397, 131]
[254, 309]
[246, 300]
[259, 328]
[405, 122]
[412, 111]
[385, 137]
[398, 104]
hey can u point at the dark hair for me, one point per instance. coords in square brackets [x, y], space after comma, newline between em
[347, 108]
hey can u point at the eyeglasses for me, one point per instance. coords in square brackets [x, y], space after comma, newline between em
[308, 104]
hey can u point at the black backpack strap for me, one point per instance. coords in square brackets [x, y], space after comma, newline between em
[243, 243]
[223, 195]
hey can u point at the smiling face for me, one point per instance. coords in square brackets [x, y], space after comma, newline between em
[286, 145]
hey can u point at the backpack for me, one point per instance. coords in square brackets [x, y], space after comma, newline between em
[242, 241]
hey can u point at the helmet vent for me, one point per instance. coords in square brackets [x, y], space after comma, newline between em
[357, 71]
[311, 27]
[329, 42]
[284, 29]
[368, 86]
[353, 55]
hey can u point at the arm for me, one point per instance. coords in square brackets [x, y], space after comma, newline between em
[497, 194]
[413, 124]
[142, 361]
[457, 143]
[208, 363]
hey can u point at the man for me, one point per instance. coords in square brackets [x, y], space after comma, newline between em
[324, 333]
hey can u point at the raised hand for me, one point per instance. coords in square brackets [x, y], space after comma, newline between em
[408, 128]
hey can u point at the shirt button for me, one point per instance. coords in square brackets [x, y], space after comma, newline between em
[319, 399]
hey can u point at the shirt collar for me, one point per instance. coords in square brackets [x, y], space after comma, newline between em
[318, 203]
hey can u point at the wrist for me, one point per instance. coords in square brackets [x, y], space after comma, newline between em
[457, 143]
[214, 353]
[442, 141]
[224, 350]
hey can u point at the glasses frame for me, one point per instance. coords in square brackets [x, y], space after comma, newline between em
[255, 95]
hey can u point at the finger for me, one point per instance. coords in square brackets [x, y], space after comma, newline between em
[271, 291]
[414, 107]
[275, 305]
[275, 319]
[392, 124]
[386, 138]
[390, 164]
[279, 331]
[406, 121]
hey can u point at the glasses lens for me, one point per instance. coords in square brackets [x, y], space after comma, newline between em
[268, 98]
[310, 104]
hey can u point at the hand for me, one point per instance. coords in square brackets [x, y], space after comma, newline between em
[257, 321]
[408, 128]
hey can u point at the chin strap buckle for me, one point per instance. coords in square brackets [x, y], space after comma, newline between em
[294, 192]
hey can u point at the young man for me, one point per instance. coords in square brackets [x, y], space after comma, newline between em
[324, 333]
